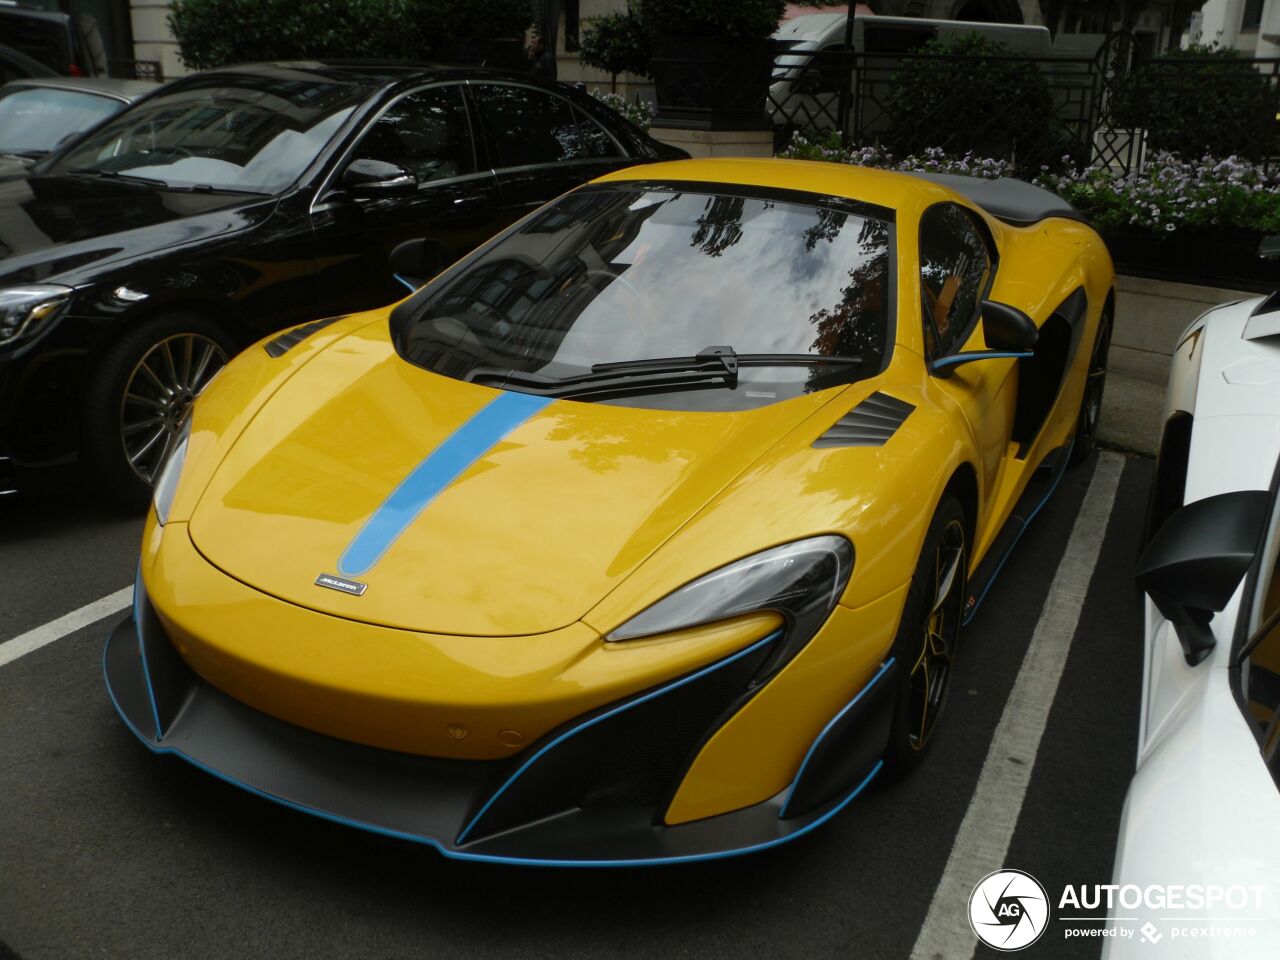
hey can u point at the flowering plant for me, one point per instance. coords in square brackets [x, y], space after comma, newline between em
[639, 112]
[1167, 195]
[1171, 194]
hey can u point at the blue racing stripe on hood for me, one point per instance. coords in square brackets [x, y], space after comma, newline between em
[465, 446]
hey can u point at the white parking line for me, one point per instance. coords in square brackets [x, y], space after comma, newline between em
[45, 634]
[982, 842]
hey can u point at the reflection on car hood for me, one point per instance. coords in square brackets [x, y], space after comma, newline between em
[537, 514]
[62, 228]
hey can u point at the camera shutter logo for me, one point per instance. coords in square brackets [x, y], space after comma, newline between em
[1008, 910]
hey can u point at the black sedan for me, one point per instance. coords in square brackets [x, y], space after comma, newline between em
[233, 203]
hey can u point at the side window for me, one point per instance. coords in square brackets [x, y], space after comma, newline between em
[955, 269]
[529, 127]
[1260, 673]
[426, 132]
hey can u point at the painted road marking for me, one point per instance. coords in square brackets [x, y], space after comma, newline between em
[982, 842]
[43, 635]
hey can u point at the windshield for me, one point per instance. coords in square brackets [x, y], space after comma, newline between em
[231, 132]
[34, 120]
[624, 273]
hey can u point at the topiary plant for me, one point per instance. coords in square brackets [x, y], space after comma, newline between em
[1201, 100]
[617, 43]
[746, 19]
[966, 93]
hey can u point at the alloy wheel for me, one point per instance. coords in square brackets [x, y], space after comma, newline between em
[940, 631]
[157, 395]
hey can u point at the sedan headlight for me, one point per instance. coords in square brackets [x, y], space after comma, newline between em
[802, 581]
[25, 311]
[167, 479]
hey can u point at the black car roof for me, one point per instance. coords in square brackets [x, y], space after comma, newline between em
[371, 73]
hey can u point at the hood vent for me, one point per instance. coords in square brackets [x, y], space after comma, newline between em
[292, 337]
[870, 424]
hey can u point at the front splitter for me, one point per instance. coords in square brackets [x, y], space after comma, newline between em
[420, 799]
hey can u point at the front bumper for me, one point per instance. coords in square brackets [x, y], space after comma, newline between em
[589, 793]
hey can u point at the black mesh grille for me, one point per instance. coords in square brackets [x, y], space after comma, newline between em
[291, 338]
[627, 759]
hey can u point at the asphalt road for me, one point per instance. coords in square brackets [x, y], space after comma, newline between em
[108, 851]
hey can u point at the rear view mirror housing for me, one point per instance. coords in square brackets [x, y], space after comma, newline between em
[1196, 560]
[1007, 332]
[417, 261]
[1007, 328]
[377, 178]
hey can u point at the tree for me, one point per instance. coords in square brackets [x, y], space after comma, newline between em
[617, 43]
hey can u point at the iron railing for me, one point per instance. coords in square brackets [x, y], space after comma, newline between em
[1113, 108]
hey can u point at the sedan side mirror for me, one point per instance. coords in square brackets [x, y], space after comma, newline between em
[1007, 331]
[377, 178]
[1194, 563]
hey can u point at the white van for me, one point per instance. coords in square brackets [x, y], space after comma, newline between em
[807, 100]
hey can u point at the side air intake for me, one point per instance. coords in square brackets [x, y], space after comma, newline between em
[870, 424]
[291, 338]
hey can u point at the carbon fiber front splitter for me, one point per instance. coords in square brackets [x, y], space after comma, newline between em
[436, 801]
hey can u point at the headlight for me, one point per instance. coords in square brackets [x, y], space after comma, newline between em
[801, 580]
[25, 311]
[167, 481]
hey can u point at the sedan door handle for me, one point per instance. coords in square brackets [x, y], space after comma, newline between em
[464, 203]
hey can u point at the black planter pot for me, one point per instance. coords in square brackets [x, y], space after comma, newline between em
[502, 54]
[1217, 258]
[712, 83]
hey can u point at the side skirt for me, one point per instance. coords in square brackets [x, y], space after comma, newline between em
[1039, 489]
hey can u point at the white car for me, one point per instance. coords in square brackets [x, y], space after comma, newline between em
[1198, 863]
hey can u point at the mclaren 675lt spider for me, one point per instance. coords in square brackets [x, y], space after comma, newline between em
[644, 533]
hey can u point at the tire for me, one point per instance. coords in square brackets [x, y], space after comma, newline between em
[927, 637]
[1090, 414]
[137, 396]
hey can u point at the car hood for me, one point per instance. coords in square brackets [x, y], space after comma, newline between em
[459, 508]
[62, 228]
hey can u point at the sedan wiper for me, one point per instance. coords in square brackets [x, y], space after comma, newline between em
[710, 368]
[116, 175]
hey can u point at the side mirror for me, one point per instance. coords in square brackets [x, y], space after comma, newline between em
[377, 178]
[1007, 328]
[1007, 331]
[1194, 563]
[414, 262]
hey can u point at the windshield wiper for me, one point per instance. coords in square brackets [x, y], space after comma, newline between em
[713, 367]
[116, 175]
[727, 359]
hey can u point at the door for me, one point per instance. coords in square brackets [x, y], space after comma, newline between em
[957, 267]
[540, 144]
[455, 204]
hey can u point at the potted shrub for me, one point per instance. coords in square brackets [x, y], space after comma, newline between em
[712, 60]
[617, 43]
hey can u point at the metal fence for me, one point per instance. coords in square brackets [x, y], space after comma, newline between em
[1113, 108]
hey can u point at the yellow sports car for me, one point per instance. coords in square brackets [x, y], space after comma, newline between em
[644, 533]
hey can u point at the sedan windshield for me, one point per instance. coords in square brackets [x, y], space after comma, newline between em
[34, 120]
[615, 274]
[232, 132]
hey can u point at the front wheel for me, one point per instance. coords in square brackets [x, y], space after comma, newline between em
[138, 396]
[1091, 402]
[925, 646]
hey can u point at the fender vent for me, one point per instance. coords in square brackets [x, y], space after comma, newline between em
[869, 424]
[291, 338]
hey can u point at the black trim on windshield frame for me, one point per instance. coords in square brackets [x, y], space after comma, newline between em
[406, 312]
